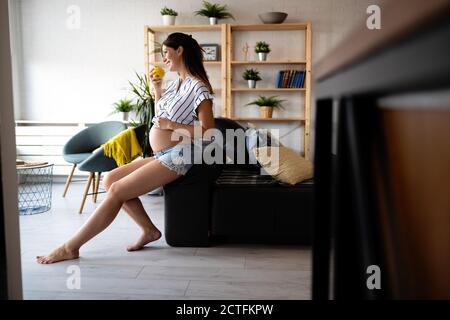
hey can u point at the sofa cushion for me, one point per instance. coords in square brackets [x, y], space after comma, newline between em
[235, 151]
[237, 176]
[287, 166]
[257, 138]
[224, 123]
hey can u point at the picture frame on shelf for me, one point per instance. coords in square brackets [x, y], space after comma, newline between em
[210, 51]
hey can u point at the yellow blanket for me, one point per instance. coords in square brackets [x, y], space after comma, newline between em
[124, 147]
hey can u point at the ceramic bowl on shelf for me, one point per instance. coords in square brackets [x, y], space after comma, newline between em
[273, 17]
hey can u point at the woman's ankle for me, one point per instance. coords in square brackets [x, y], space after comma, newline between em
[70, 247]
[150, 230]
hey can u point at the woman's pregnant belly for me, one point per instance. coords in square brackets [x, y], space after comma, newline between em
[161, 139]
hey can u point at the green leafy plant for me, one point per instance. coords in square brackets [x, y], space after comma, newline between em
[123, 105]
[251, 74]
[214, 11]
[144, 108]
[267, 102]
[168, 12]
[262, 46]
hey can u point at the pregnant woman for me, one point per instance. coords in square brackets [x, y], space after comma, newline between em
[185, 106]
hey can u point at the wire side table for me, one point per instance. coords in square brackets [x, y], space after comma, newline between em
[34, 188]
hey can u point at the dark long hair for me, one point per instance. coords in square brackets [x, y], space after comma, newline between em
[192, 55]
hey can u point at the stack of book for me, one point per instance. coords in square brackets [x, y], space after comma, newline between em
[290, 79]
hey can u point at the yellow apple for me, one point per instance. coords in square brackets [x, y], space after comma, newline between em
[158, 72]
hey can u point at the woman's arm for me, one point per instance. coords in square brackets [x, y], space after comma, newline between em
[156, 96]
[205, 117]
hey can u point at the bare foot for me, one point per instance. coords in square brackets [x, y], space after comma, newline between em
[145, 238]
[59, 254]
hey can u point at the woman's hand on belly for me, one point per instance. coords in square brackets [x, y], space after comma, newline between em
[163, 123]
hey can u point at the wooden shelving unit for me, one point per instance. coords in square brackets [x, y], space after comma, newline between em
[304, 61]
[268, 89]
[185, 28]
[271, 27]
[227, 91]
[268, 62]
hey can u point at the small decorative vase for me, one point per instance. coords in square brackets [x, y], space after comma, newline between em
[168, 20]
[262, 56]
[212, 20]
[266, 112]
[251, 84]
[125, 116]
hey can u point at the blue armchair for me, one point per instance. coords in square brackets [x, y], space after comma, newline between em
[97, 162]
[81, 145]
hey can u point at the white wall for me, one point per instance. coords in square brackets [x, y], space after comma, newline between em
[75, 75]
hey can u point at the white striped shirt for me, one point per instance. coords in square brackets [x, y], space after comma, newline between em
[181, 105]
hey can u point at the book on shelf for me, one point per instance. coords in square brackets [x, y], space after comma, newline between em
[296, 77]
[278, 79]
[298, 80]
[302, 80]
[290, 79]
[285, 78]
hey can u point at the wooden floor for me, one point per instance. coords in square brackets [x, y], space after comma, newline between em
[108, 271]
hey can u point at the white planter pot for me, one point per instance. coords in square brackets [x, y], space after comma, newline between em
[168, 20]
[212, 20]
[262, 56]
[125, 116]
[251, 84]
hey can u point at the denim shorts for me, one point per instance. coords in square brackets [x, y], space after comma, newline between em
[181, 157]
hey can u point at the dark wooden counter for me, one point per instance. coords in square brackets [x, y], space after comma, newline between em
[382, 175]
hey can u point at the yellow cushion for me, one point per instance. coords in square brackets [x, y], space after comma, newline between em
[284, 164]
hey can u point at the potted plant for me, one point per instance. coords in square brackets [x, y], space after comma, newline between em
[262, 49]
[169, 16]
[251, 75]
[144, 108]
[266, 105]
[124, 106]
[214, 12]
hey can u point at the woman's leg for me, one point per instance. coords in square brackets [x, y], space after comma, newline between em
[134, 207]
[144, 179]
